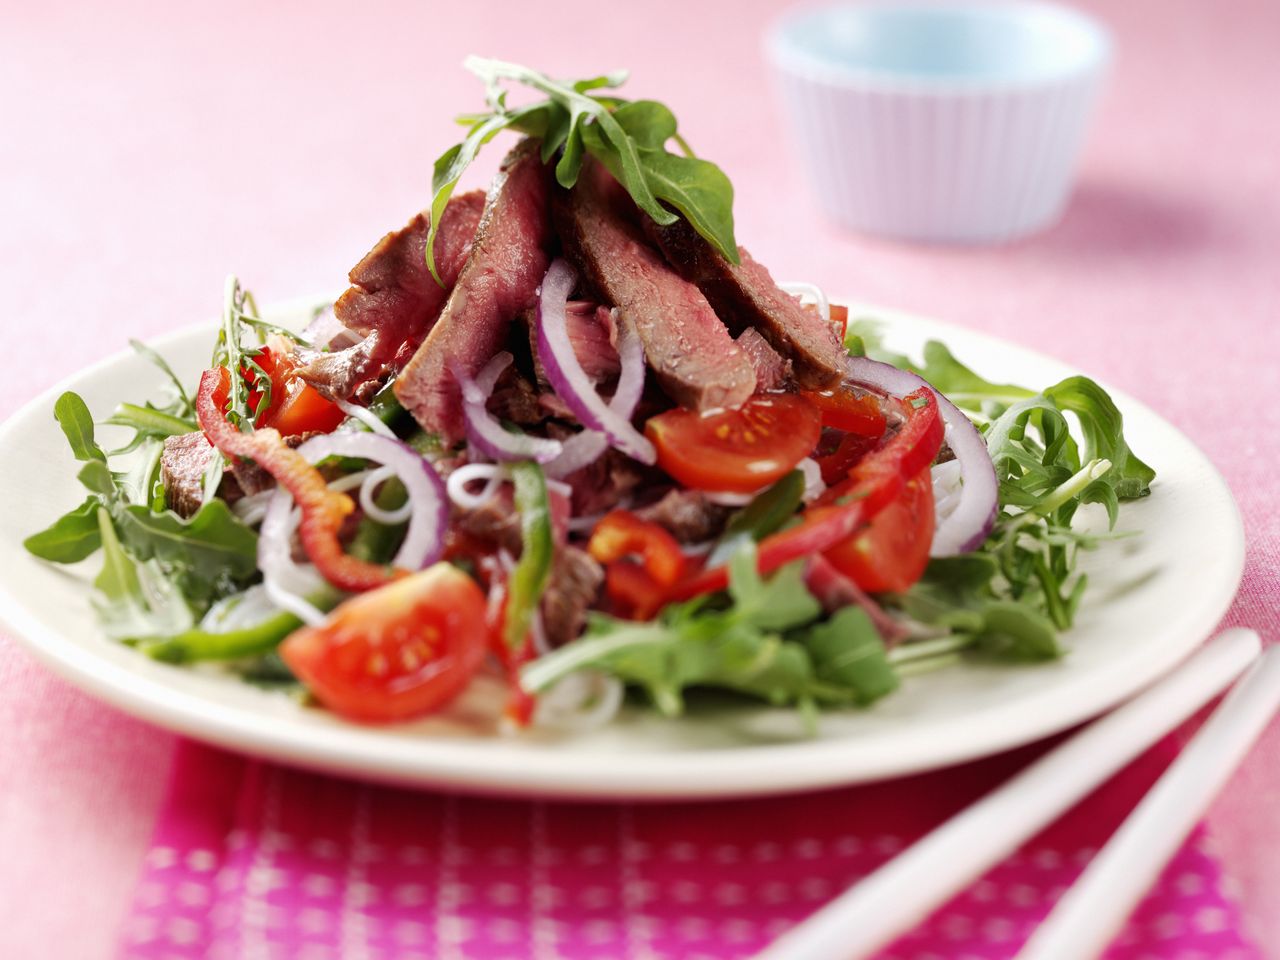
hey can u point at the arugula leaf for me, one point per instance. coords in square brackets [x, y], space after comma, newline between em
[97, 478]
[73, 416]
[134, 599]
[629, 138]
[959, 594]
[761, 644]
[183, 405]
[212, 544]
[70, 538]
[148, 421]
[1103, 428]
[847, 652]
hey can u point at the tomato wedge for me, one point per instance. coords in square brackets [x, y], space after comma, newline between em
[295, 407]
[893, 550]
[398, 652]
[738, 450]
[848, 409]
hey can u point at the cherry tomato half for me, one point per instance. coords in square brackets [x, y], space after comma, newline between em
[397, 652]
[891, 552]
[738, 450]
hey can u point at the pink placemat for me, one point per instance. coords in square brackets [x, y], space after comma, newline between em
[252, 860]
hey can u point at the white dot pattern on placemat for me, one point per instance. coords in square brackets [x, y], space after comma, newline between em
[318, 868]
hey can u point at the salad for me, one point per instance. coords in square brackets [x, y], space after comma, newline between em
[569, 431]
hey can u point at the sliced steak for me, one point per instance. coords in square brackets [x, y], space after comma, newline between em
[772, 371]
[572, 588]
[393, 300]
[689, 350]
[609, 481]
[500, 278]
[391, 288]
[744, 295]
[687, 515]
[183, 463]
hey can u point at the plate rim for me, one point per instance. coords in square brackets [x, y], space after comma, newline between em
[790, 767]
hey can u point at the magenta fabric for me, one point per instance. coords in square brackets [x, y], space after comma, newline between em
[149, 148]
[254, 860]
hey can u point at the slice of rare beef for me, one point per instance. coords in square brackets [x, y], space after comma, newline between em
[393, 300]
[688, 515]
[744, 295]
[391, 288]
[772, 371]
[689, 350]
[573, 586]
[500, 278]
[183, 463]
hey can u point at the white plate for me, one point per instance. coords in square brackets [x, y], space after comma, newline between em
[1152, 599]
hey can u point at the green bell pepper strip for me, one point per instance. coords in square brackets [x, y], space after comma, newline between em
[532, 571]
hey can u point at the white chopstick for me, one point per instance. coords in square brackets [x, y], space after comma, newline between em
[1090, 914]
[900, 894]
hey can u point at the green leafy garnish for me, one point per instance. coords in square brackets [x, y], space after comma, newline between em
[239, 310]
[153, 558]
[71, 538]
[764, 640]
[575, 119]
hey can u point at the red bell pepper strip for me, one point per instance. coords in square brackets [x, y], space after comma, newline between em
[873, 484]
[621, 534]
[323, 510]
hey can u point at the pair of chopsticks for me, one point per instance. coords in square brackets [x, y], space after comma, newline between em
[898, 896]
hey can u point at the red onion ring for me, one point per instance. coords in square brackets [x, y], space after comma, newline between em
[571, 382]
[423, 540]
[486, 434]
[967, 525]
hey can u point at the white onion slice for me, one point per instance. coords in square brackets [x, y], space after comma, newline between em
[489, 436]
[286, 582]
[370, 506]
[581, 700]
[424, 539]
[571, 382]
[813, 483]
[967, 525]
[281, 576]
[251, 509]
[729, 498]
[493, 474]
[365, 416]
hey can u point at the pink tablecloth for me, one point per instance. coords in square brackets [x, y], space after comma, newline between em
[148, 149]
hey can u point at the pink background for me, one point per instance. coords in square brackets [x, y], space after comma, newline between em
[146, 152]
